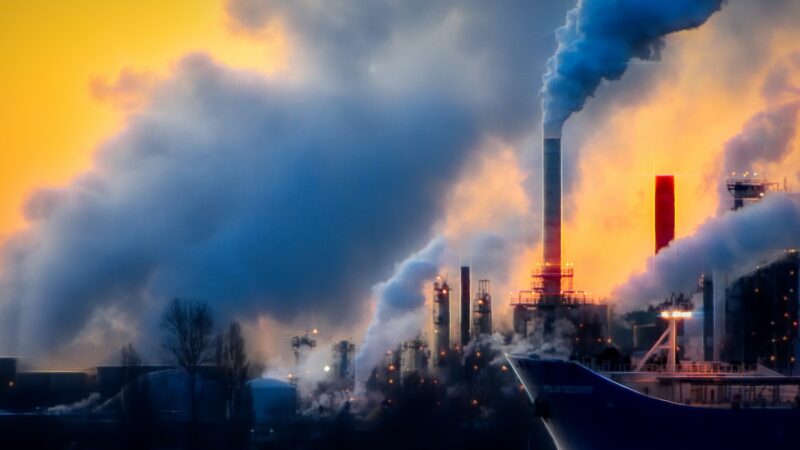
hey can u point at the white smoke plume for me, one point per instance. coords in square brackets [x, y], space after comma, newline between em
[399, 313]
[230, 187]
[80, 406]
[768, 135]
[728, 242]
[599, 39]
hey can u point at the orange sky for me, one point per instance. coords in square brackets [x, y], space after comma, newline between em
[680, 129]
[679, 126]
[50, 122]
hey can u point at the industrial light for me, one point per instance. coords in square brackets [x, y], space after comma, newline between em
[676, 314]
[327, 368]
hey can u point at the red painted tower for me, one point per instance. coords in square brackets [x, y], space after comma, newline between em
[665, 210]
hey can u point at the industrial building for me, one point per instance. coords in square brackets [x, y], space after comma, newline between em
[414, 356]
[754, 316]
[552, 297]
[344, 353]
[746, 188]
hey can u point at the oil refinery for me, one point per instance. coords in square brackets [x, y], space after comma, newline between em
[280, 225]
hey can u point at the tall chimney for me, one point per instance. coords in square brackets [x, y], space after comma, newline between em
[441, 321]
[552, 219]
[665, 210]
[465, 296]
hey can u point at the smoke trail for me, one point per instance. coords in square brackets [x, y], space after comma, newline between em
[399, 311]
[240, 190]
[767, 136]
[731, 241]
[598, 40]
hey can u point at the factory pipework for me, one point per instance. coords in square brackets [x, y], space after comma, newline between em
[552, 219]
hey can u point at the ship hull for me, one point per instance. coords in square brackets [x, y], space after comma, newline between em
[583, 410]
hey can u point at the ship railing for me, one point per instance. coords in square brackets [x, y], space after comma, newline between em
[694, 368]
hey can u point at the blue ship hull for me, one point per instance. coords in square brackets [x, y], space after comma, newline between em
[584, 410]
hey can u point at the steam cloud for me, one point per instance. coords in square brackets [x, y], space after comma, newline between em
[735, 240]
[728, 242]
[247, 192]
[599, 39]
[399, 313]
[231, 190]
[767, 136]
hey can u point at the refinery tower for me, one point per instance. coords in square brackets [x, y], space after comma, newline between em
[551, 297]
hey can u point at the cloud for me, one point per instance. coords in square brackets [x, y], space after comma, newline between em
[290, 196]
[129, 91]
[599, 39]
[230, 189]
[765, 138]
[399, 313]
[732, 241]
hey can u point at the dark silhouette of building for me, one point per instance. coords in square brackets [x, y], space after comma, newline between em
[761, 315]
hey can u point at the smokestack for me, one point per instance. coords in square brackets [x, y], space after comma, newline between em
[665, 210]
[465, 296]
[552, 219]
[441, 321]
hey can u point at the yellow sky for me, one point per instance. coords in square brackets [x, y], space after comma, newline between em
[680, 129]
[50, 123]
[51, 50]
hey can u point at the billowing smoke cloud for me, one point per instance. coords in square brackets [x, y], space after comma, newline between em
[735, 240]
[229, 189]
[767, 137]
[728, 242]
[599, 39]
[268, 196]
[399, 312]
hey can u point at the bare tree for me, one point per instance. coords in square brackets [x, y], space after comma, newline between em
[188, 328]
[233, 363]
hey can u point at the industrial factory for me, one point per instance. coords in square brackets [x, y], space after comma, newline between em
[458, 362]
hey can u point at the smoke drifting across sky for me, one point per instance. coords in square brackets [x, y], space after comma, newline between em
[599, 39]
[732, 241]
[293, 196]
[767, 137]
[735, 240]
[290, 196]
